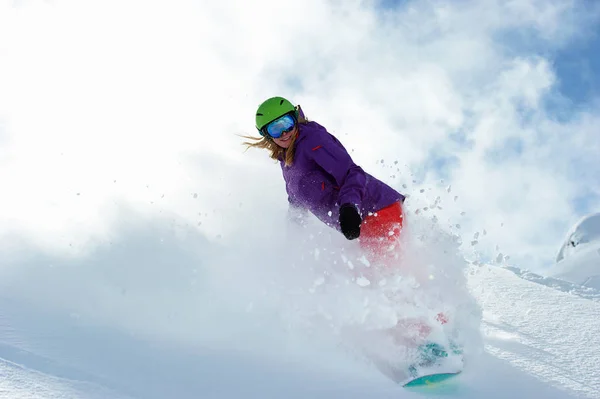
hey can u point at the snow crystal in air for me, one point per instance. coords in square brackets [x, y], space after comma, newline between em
[363, 282]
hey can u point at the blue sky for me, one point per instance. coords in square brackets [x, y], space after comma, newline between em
[576, 64]
[577, 67]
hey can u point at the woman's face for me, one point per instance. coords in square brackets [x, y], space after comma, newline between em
[286, 139]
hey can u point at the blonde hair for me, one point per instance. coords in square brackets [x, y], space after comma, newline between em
[276, 152]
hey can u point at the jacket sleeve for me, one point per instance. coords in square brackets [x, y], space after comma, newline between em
[335, 160]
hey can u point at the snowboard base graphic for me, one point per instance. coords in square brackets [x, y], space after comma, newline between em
[429, 379]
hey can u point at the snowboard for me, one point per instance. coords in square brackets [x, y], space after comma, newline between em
[430, 379]
[435, 366]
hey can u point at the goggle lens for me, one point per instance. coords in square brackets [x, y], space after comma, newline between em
[280, 126]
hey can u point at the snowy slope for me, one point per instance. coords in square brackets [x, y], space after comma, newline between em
[531, 350]
[545, 332]
[578, 260]
[585, 232]
[164, 313]
[557, 283]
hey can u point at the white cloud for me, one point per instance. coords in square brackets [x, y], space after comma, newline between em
[141, 102]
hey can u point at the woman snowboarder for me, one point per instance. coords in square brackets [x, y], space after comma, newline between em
[321, 177]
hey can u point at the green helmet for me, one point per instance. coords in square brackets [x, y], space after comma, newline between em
[272, 109]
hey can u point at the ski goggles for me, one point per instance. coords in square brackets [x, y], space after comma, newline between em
[279, 126]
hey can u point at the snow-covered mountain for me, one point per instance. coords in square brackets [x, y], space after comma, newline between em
[578, 260]
[165, 313]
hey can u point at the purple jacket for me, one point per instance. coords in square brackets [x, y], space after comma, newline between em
[323, 177]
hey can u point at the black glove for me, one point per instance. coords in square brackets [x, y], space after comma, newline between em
[350, 221]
